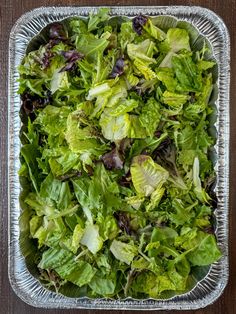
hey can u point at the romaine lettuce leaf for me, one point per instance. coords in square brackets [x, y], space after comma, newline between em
[114, 128]
[154, 31]
[150, 116]
[177, 39]
[126, 35]
[102, 285]
[124, 252]
[143, 51]
[200, 193]
[147, 175]
[53, 119]
[78, 272]
[92, 239]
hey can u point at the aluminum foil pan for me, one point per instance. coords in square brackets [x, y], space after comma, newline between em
[201, 23]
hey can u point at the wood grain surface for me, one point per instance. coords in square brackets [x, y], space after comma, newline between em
[10, 11]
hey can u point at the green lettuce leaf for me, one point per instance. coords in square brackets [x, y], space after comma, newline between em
[206, 252]
[54, 257]
[124, 252]
[53, 119]
[102, 285]
[177, 39]
[153, 30]
[174, 100]
[78, 272]
[187, 73]
[147, 175]
[59, 81]
[143, 51]
[167, 76]
[92, 239]
[30, 154]
[124, 106]
[114, 128]
[96, 19]
[126, 35]
[150, 116]
[142, 56]
[136, 130]
[200, 193]
[90, 46]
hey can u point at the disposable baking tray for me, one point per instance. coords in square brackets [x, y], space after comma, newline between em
[203, 23]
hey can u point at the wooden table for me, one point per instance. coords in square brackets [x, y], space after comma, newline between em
[10, 10]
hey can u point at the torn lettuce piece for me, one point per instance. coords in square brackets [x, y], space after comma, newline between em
[150, 116]
[110, 98]
[54, 257]
[76, 238]
[30, 153]
[124, 106]
[155, 198]
[142, 56]
[55, 190]
[174, 100]
[98, 90]
[114, 128]
[118, 92]
[107, 227]
[199, 191]
[92, 239]
[187, 73]
[64, 163]
[42, 206]
[155, 285]
[143, 51]
[105, 67]
[200, 101]
[96, 19]
[177, 39]
[81, 187]
[153, 30]
[167, 76]
[204, 65]
[206, 251]
[131, 79]
[135, 201]
[124, 252]
[141, 68]
[76, 271]
[90, 46]
[104, 286]
[136, 130]
[82, 139]
[59, 81]
[52, 120]
[126, 35]
[147, 175]
[167, 60]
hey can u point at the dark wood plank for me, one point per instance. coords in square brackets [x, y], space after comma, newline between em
[10, 10]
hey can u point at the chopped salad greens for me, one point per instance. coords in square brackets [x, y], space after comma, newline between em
[118, 195]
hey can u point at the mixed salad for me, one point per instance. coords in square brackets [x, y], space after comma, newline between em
[118, 187]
